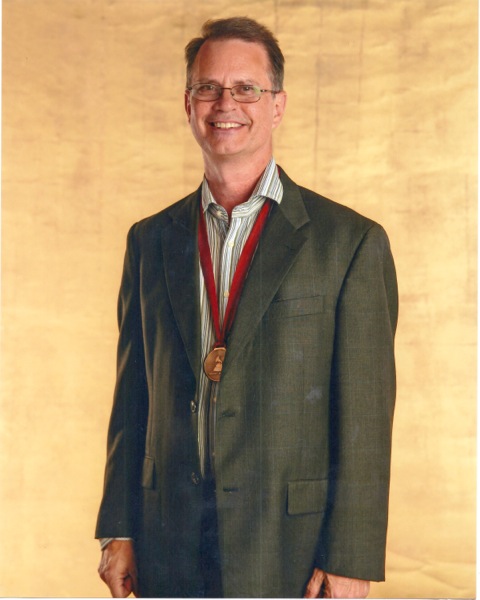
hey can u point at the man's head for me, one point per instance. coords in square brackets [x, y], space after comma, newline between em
[239, 28]
[234, 97]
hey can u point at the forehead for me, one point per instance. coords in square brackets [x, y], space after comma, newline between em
[218, 59]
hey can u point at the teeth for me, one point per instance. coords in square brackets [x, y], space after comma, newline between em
[222, 125]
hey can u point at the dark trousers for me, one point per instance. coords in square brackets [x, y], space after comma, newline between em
[209, 549]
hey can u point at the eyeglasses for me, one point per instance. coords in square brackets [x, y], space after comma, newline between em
[208, 92]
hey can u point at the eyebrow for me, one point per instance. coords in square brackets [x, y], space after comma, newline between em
[247, 81]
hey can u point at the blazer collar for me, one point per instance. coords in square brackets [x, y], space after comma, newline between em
[180, 252]
[283, 236]
[292, 205]
[185, 213]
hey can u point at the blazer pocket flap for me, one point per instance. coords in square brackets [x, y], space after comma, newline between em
[308, 496]
[296, 307]
[148, 473]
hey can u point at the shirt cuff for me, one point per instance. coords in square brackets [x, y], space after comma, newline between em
[105, 541]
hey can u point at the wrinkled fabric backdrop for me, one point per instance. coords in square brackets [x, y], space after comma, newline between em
[381, 116]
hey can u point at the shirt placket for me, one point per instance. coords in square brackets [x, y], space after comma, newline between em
[228, 264]
[224, 275]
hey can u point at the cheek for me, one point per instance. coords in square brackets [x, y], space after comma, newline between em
[194, 119]
[265, 120]
[266, 124]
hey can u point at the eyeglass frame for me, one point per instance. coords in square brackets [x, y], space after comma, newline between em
[220, 92]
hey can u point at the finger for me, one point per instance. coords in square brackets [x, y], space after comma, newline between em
[101, 569]
[344, 587]
[130, 584]
[127, 584]
[336, 588]
[135, 584]
[119, 588]
[315, 584]
[328, 591]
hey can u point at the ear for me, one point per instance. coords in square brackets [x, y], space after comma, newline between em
[279, 105]
[188, 104]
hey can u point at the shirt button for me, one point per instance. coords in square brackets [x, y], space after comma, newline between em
[195, 478]
[193, 406]
[226, 294]
[231, 244]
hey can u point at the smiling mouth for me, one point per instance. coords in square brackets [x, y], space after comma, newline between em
[225, 125]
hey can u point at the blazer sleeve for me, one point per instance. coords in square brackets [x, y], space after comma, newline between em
[126, 435]
[353, 537]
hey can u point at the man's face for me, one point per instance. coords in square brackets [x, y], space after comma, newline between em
[226, 128]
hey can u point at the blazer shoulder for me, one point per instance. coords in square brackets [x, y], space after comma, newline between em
[320, 207]
[346, 227]
[324, 214]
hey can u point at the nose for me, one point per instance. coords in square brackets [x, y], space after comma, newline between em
[226, 99]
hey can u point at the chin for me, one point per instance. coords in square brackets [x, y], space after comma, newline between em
[224, 151]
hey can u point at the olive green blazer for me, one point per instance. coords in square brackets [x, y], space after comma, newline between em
[304, 409]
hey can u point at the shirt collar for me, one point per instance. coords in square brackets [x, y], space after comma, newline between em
[268, 186]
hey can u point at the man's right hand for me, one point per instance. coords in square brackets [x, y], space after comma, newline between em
[118, 568]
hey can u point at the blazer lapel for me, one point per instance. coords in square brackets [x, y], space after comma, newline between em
[179, 243]
[281, 240]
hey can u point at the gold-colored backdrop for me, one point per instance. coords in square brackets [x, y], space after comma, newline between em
[381, 116]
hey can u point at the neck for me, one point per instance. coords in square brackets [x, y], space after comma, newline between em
[232, 184]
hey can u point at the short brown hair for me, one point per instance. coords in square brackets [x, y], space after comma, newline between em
[240, 28]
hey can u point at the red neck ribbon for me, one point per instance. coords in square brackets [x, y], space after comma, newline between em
[240, 272]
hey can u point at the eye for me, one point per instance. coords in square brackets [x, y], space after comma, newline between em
[205, 88]
[246, 89]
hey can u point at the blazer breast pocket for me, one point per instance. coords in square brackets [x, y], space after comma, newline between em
[295, 307]
[307, 496]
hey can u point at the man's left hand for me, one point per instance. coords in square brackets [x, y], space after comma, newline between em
[325, 585]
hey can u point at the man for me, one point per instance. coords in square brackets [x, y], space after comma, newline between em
[249, 443]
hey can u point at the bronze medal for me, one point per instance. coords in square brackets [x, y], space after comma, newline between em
[213, 363]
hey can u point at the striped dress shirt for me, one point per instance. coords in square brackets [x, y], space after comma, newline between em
[226, 241]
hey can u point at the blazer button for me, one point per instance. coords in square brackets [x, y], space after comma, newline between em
[193, 406]
[195, 478]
